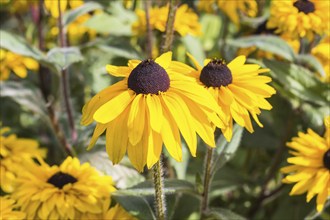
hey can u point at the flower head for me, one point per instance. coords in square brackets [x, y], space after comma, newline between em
[186, 21]
[16, 63]
[13, 152]
[237, 87]
[68, 191]
[310, 169]
[300, 18]
[7, 209]
[322, 53]
[152, 105]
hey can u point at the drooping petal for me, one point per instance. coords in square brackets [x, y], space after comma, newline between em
[155, 112]
[136, 119]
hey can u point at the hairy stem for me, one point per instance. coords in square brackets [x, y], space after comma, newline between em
[207, 180]
[159, 192]
[168, 35]
[147, 5]
[65, 81]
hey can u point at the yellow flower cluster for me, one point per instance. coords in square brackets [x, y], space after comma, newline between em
[7, 209]
[14, 152]
[186, 21]
[15, 63]
[231, 8]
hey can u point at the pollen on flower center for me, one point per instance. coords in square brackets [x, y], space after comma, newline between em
[326, 159]
[216, 74]
[304, 6]
[148, 78]
[60, 179]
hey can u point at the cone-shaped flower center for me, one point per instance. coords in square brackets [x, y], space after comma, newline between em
[304, 6]
[216, 74]
[148, 78]
[60, 179]
[326, 159]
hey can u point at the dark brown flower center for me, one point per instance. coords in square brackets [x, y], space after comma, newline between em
[326, 159]
[304, 6]
[148, 78]
[60, 179]
[216, 74]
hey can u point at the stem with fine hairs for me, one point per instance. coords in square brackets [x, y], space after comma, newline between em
[159, 190]
[168, 35]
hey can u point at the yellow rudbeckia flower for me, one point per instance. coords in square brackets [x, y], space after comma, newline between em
[15, 63]
[152, 105]
[310, 169]
[300, 18]
[237, 87]
[7, 209]
[69, 191]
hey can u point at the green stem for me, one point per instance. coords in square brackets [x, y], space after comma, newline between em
[207, 180]
[159, 192]
[65, 84]
[149, 31]
[168, 35]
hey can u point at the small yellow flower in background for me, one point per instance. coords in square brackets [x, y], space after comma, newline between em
[186, 21]
[16, 63]
[231, 8]
[310, 169]
[301, 18]
[237, 87]
[322, 53]
[7, 209]
[149, 107]
[14, 152]
[52, 6]
[68, 191]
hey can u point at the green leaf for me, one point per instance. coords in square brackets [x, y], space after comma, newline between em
[272, 44]
[311, 62]
[62, 58]
[299, 81]
[72, 15]
[211, 24]
[222, 214]
[135, 205]
[123, 176]
[194, 47]
[19, 45]
[226, 150]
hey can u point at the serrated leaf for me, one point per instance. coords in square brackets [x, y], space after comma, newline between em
[70, 16]
[135, 205]
[272, 44]
[19, 45]
[299, 81]
[62, 58]
[225, 151]
[222, 214]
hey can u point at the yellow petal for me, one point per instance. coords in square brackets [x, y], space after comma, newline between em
[136, 119]
[155, 112]
[99, 129]
[110, 110]
[122, 71]
[195, 62]
[236, 63]
[164, 60]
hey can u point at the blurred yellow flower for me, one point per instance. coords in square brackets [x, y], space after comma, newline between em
[237, 87]
[68, 191]
[7, 209]
[52, 6]
[14, 151]
[300, 18]
[186, 21]
[231, 8]
[322, 53]
[152, 105]
[310, 169]
[16, 63]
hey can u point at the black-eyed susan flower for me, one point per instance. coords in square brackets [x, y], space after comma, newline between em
[15, 63]
[13, 152]
[322, 53]
[152, 105]
[186, 21]
[8, 209]
[310, 169]
[300, 18]
[231, 8]
[68, 191]
[237, 87]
